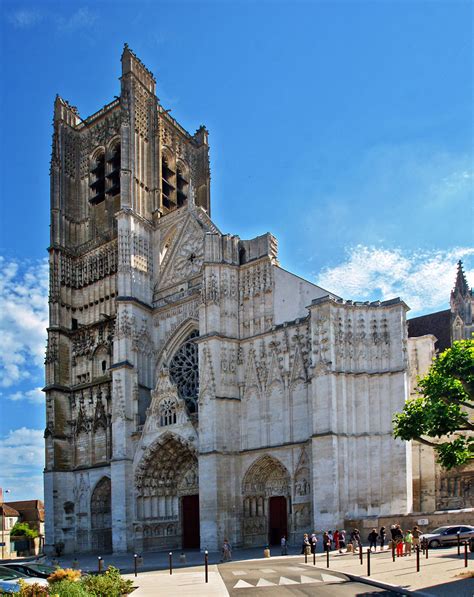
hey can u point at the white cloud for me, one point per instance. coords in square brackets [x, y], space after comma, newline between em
[23, 319]
[80, 19]
[24, 18]
[423, 279]
[36, 396]
[22, 458]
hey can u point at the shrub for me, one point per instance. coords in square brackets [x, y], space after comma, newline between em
[110, 583]
[64, 574]
[68, 588]
[35, 590]
[23, 529]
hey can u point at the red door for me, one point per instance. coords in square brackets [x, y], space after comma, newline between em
[190, 509]
[278, 524]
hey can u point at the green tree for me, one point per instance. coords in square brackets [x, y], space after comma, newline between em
[441, 416]
[23, 529]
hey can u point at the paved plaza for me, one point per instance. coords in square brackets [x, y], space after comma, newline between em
[251, 574]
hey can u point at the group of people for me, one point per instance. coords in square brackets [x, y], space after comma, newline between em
[336, 540]
[403, 541]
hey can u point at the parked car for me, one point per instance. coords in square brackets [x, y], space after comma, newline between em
[448, 535]
[31, 569]
[9, 580]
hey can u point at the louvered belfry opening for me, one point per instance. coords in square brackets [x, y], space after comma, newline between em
[97, 185]
[168, 184]
[182, 186]
[113, 176]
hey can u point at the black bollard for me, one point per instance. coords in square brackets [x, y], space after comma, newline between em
[368, 562]
[417, 558]
[361, 554]
[135, 558]
[327, 558]
[393, 551]
[99, 564]
[206, 566]
[465, 554]
[305, 556]
[314, 557]
[459, 542]
[170, 557]
[426, 550]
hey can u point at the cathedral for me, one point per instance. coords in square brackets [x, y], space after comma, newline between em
[195, 389]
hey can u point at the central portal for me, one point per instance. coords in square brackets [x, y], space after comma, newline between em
[190, 521]
[278, 520]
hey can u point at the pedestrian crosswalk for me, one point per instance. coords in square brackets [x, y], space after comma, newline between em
[284, 580]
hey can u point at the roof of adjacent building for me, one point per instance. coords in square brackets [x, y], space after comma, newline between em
[30, 510]
[9, 511]
[438, 324]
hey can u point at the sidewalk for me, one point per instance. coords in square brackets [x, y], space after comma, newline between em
[439, 574]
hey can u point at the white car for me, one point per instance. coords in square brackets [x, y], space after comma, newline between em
[448, 535]
[9, 580]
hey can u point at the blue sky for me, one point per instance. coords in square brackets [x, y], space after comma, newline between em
[344, 128]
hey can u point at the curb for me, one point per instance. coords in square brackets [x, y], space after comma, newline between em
[384, 585]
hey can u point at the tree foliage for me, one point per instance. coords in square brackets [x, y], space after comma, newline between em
[441, 415]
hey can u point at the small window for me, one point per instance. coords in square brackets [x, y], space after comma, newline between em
[104, 366]
[74, 324]
[182, 186]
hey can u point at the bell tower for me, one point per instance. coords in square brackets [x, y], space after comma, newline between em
[114, 175]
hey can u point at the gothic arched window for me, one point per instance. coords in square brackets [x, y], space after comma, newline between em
[167, 412]
[184, 371]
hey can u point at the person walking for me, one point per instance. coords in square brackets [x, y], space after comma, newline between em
[416, 533]
[314, 542]
[342, 540]
[398, 539]
[336, 539]
[372, 539]
[306, 546]
[226, 551]
[331, 538]
[326, 541]
[284, 546]
[408, 540]
[382, 536]
[355, 539]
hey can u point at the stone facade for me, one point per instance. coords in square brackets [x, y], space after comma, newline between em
[195, 388]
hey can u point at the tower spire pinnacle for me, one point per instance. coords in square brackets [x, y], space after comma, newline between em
[461, 286]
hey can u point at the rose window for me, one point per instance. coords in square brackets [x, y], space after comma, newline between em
[184, 372]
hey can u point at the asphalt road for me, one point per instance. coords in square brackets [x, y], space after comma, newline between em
[280, 577]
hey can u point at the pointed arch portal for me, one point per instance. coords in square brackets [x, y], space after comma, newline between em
[167, 489]
[101, 516]
[266, 491]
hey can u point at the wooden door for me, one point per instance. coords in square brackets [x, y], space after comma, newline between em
[278, 522]
[190, 519]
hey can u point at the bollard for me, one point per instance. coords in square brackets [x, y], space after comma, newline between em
[417, 558]
[426, 550]
[99, 563]
[305, 556]
[314, 557]
[465, 554]
[170, 557]
[393, 551]
[459, 542]
[135, 558]
[368, 562]
[327, 558]
[361, 554]
[206, 566]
